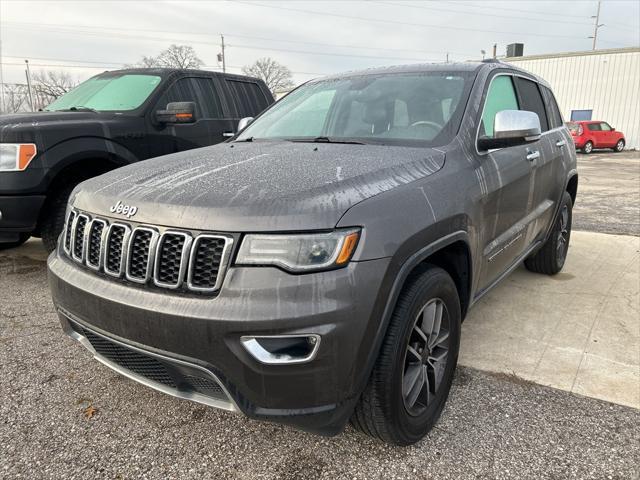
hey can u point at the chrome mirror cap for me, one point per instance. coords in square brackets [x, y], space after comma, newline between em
[243, 123]
[514, 124]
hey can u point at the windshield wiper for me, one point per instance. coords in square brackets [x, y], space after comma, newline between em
[80, 108]
[328, 140]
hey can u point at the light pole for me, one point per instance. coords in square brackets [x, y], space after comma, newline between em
[596, 26]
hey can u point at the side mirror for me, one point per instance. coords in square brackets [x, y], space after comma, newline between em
[177, 112]
[511, 128]
[244, 123]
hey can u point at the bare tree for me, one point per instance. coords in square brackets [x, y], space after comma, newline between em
[176, 56]
[275, 75]
[49, 85]
[15, 98]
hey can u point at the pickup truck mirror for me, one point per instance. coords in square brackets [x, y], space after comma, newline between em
[511, 128]
[244, 123]
[177, 112]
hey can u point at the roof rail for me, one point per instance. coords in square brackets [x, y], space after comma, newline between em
[491, 60]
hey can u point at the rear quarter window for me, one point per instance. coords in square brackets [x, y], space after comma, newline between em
[248, 98]
[531, 100]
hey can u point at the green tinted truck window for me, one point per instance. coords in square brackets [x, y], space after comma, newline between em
[501, 96]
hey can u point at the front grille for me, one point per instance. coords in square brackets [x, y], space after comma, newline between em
[78, 237]
[148, 255]
[170, 259]
[139, 254]
[94, 247]
[67, 233]
[114, 249]
[162, 370]
[208, 252]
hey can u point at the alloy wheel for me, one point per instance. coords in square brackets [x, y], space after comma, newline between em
[588, 147]
[620, 146]
[425, 357]
[563, 234]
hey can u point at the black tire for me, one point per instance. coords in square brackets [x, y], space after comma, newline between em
[551, 257]
[588, 148]
[52, 221]
[619, 146]
[383, 410]
[22, 238]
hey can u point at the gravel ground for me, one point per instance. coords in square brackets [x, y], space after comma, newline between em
[608, 193]
[493, 426]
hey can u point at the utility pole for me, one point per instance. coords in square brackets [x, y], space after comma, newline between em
[495, 50]
[596, 26]
[28, 74]
[224, 63]
[447, 57]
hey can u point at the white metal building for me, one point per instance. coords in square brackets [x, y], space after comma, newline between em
[594, 85]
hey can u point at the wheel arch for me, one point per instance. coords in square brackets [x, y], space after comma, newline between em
[572, 187]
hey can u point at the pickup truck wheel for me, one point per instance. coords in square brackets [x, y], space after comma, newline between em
[619, 146]
[588, 147]
[412, 376]
[21, 239]
[53, 220]
[551, 257]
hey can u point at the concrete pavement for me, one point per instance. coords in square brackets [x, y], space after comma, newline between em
[577, 331]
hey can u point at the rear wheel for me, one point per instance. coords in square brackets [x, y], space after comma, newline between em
[619, 146]
[52, 222]
[588, 147]
[551, 257]
[412, 377]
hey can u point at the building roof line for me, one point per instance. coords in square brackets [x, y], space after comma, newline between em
[606, 51]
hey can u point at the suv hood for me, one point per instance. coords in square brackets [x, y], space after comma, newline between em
[258, 186]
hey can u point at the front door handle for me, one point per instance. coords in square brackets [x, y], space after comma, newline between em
[560, 143]
[228, 134]
[531, 156]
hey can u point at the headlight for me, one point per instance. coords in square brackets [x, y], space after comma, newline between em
[15, 157]
[300, 252]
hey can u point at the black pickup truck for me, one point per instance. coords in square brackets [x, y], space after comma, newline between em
[113, 119]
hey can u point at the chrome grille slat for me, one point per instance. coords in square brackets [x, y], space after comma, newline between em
[78, 236]
[142, 246]
[93, 241]
[148, 255]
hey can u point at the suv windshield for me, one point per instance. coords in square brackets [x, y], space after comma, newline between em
[109, 92]
[400, 109]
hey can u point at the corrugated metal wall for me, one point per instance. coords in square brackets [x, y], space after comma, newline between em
[607, 82]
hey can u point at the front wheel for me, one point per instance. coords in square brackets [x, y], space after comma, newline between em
[412, 376]
[619, 146]
[53, 221]
[588, 148]
[551, 257]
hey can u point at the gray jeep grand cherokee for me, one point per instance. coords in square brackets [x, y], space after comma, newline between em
[316, 268]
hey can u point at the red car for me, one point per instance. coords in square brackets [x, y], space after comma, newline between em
[593, 134]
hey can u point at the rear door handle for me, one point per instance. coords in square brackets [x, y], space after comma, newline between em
[560, 143]
[531, 156]
[228, 134]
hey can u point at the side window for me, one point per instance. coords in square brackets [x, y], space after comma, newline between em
[532, 100]
[202, 91]
[594, 127]
[605, 127]
[248, 98]
[555, 117]
[501, 96]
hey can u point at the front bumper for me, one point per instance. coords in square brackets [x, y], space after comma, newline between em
[18, 214]
[340, 306]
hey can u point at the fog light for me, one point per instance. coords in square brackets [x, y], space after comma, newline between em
[282, 349]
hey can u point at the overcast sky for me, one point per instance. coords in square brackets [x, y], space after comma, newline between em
[311, 37]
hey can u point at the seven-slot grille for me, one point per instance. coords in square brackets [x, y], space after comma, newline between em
[144, 254]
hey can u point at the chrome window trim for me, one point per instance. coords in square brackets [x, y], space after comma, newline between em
[153, 243]
[66, 227]
[74, 236]
[125, 248]
[224, 262]
[184, 256]
[102, 239]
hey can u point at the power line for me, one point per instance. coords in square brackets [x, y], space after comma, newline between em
[398, 22]
[422, 7]
[72, 30]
